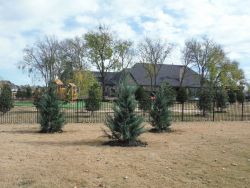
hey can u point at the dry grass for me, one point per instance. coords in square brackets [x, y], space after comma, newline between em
[194, 155]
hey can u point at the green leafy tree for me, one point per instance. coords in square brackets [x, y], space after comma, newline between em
[231, 96]
[160, 113]
[101, 49]
[125, 125]
[6, 101]
[83, 80]
[51, 118]
[221, 99]
[205, 102]
[93, 103]
[182, 95]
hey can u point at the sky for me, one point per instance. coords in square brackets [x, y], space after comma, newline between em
[23, 22]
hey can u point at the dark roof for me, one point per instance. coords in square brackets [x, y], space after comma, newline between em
[168, 73]
[111, 78]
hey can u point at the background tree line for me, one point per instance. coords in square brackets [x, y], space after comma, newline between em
[72, 59]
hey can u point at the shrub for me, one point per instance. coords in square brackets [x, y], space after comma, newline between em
[231, 96]
[160, 113]
[93, 103]
[205, 102]
[125, 125]
[182, 95]
[143, 99]
[28, 92]
[6, 101]
[240, 96]
[221, 99]
[51, 118]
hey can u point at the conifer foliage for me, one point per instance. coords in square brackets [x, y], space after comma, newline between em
[160, 113]
[125, 126]
[6, 101]
[51, 118]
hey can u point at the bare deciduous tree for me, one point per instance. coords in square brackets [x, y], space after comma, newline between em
[152, 54]
[41, 60]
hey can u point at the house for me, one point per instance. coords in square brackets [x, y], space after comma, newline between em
[137, 75]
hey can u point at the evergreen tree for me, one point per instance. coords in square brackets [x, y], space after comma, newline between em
[205, 102]
[182, 95]
[28, 92]
[231, 96]
[143, 99]
[93, 103]
[125, 125]
[37, 95]
[221, 99]
[51, 118]
[6, 101]
[160, 113]
[240, 96]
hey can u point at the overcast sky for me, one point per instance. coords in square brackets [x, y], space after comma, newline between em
[22, 22]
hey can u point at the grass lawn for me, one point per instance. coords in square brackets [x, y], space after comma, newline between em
[204, 154]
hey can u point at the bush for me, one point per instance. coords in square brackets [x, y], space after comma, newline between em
[160, 113]
[221, 99]
[231, 96]
[125, 125]
[182, 95]
[51, 118]
[205, 102]
[240, 96]
[93, 103]
[28, 92]
[6, 101]
[143, 99]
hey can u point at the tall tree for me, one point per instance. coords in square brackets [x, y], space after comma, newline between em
[125, 53]
[203, 53]
[186, 60]
[101, 49]
[153, 54]
[73, 57]
[41, 60]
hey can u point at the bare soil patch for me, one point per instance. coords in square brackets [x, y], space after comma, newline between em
[202, 154]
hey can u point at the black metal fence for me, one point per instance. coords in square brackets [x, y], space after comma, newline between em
[75, 112]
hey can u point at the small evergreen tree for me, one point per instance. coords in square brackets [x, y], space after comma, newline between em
[182, 95]
[221, 99]
[6, 101]
[93, 103]
[51, 118]
[160, 113]
[231, 96]
[143, 99]
[205, 102]
[28, 92]
[125, 125]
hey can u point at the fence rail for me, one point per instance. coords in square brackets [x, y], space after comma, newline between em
[75, 112]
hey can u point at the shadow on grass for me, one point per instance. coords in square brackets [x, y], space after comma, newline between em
[66, 143]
